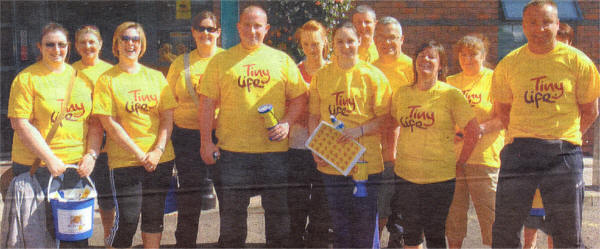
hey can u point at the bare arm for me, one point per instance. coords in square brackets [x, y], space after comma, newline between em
[502, 112]
[492, 125]
[368, 128]
[94, 141]
[295, 108]
[165, 128]
[32, 139]
[118, 134]
[389, 140]
[470, 140]
[206, 116]
[589, 113]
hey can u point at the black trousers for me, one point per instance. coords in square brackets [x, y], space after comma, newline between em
[555, 166]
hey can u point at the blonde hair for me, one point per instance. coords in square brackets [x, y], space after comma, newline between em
[313, 26]
[88, 29]
[120, 29]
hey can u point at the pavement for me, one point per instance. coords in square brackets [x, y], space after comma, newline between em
[208, 233]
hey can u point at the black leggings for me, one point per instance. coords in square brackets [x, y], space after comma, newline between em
[424, 208]
[134, 190]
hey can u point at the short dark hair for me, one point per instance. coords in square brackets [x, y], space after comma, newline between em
[539, 3]
[439, 48]
[198, 18]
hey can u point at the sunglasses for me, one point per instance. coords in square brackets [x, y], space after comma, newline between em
[53, 44]
[209, 29]
[127, 38]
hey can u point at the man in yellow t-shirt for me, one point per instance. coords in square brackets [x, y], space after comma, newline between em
[548, 96]
[398, 68]
[252, 155]
[364, 20]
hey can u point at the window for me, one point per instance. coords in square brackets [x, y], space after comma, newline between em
[567, 10]
[510, 33]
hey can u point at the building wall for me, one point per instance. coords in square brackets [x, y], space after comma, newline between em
[448, 21]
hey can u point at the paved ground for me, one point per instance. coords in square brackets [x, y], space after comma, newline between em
[209, 225]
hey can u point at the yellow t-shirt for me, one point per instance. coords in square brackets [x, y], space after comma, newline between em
[186, 113]
[241, 80]
[37, 94]
[545, 91]
[135, 101]
[426, 143]
[476, 89]
[399, 73]
[355, 96]
[92, 73]
[369, 55]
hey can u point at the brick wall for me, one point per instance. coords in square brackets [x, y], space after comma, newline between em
[448, 21]
[443, 21]
[587, 34]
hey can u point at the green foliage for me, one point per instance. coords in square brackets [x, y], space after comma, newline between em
[287, 16]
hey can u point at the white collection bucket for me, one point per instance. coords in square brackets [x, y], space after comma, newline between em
[73, 219]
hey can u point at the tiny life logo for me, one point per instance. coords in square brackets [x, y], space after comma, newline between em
[545, 91]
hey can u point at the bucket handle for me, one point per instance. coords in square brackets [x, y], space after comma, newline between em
[72, 166]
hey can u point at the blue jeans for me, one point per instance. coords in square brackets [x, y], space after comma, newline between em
[353, 218]
[555, 166]
[242, 175]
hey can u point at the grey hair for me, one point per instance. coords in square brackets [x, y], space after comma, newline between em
[390, 20]
[366, 9]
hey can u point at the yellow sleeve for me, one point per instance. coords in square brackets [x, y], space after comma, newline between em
[462, 112]
[588, 81]
[167, 100]
[20, 102]
[501, 91]
[174, 71]
[210, 83]
[382, 94]
[313, 96]
[295, 83]
[103, 98]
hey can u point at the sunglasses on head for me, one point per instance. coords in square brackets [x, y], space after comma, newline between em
[53, 44]
[209, 29]
[127, 38]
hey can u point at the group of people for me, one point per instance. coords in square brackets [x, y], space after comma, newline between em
[432, 142]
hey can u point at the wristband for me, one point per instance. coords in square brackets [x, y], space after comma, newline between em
[93, 155]
[162, 149]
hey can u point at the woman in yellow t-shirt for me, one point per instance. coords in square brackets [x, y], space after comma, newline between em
[428, 112]
[88, 43]
[191, 170]
[36, 97]
[479, 177]
[357, 94]
[309, 216]
[135, 105]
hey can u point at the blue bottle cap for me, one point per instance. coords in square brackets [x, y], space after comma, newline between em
[265, 108]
